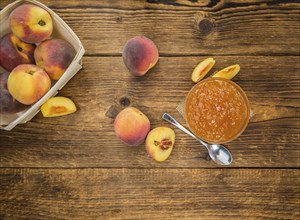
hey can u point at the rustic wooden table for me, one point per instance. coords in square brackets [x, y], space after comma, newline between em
[74, 167]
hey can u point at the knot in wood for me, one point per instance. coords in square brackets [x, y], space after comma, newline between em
[124, 101]
[220, 176]
[206, 26]
[119, 19]
[204, 23]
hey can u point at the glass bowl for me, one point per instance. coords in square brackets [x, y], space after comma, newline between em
[217, 110]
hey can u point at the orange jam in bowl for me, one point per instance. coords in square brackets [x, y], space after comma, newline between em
[217, 110]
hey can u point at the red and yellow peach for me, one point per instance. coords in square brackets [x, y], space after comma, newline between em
[31, 23]
[14, 52]
[140, 54]
[131, 126]
[8, 105]
[54, 56]
[27, 83]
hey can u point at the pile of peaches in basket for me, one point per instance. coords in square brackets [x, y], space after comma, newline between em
[32, 61]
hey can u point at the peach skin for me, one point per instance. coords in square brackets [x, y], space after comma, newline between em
[139, 55]
[54, 56]
[8, 105]
[131, 126]
[27, 83]
[14, 52]
[31, 23]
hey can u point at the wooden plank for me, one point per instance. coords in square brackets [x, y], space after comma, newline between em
[87, 139]
[149, 194]
[185, 27]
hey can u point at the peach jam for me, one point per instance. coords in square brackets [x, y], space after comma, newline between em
[217, 110]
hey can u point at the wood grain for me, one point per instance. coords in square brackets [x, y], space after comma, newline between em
[87, 139]
[185, 27]
[149, 194]
[74, 167]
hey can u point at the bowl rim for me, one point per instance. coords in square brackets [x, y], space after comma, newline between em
[244, 96]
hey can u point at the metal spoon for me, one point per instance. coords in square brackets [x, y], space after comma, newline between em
[217, 152]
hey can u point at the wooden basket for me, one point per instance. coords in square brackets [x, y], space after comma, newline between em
[61, 30]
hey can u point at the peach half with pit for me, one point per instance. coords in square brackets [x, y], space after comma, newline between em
[14, 52]
[58, 106]
[131, 126]
[27, 83]
[54, 56]
[160, 142]
[31, 23]
[139, 55]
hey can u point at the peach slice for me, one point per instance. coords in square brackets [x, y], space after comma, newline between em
[202, 69]
[160, 142]
[228, 72]
[58, 106]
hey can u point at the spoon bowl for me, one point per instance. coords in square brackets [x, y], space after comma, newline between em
[220, 153]
[217, 152]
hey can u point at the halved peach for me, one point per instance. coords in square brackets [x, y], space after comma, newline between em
[228, 72]
[58, 106]
[160, 142]
[202, 69]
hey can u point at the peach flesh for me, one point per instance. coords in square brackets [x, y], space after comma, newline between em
[58, 106]
[160, 142]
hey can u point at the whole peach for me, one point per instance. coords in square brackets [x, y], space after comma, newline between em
[140, 54]
[31, 23]
[54, 56]
[7, 103]
[27, 83]
[132, 126]
[14, 52]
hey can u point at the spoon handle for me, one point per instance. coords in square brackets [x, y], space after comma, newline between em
[170, 119]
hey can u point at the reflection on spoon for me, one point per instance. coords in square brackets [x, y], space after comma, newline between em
[217, 152]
